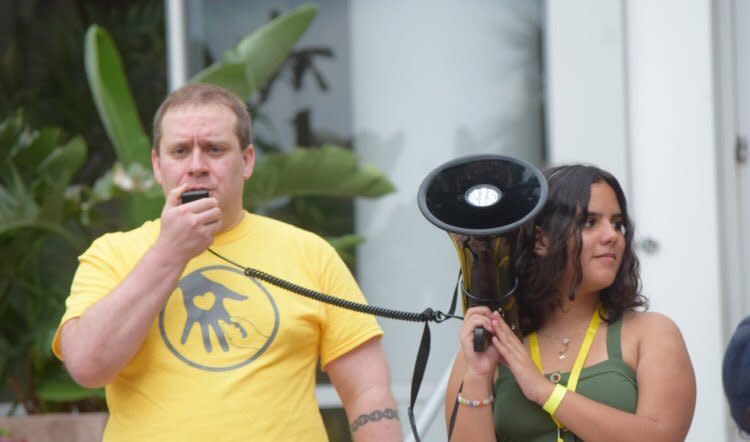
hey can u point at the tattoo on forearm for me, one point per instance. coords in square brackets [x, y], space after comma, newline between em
[386, 413]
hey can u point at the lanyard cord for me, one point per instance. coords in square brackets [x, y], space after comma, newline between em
[575, 372]
[426, 316]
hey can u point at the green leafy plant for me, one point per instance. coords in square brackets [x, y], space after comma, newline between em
[43, 227]
[244, 69]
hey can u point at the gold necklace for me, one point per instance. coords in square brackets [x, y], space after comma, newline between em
[564, 351]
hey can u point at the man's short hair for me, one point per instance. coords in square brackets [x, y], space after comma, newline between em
[736, 375]
[200, 94]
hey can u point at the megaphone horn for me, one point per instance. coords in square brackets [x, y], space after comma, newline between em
[482, 201]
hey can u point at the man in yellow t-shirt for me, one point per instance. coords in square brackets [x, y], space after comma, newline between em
[188, 347]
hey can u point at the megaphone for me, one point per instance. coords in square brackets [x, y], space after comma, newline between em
[482, 201]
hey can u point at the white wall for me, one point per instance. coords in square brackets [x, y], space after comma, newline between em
[433, 81]
[670, 149]
[586, 85]
[674, 170]
[732, 55]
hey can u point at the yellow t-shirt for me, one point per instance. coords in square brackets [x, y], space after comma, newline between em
[228, 358]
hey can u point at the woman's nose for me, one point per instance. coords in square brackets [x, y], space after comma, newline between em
[610, 233]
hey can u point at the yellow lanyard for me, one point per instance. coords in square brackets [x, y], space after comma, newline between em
[575, 372]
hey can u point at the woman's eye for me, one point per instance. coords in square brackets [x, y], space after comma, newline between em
[619, 226]
[590, 222]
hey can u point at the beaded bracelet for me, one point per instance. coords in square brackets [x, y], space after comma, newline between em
[474, 403]
[557, 395]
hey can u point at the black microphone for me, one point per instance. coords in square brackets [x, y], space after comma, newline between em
[193, 195]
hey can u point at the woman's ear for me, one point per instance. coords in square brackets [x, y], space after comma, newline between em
[541, 242]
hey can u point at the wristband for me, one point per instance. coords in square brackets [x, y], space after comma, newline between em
[474, 403]
[554, 399]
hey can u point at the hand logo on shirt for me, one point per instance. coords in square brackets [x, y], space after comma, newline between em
[204, 303]
[218, 307]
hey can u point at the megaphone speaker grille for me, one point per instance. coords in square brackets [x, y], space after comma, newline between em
[482, 195]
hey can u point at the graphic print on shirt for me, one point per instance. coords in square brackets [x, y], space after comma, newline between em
[218, 320]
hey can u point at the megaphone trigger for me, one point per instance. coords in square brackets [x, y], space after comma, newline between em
[480, 340]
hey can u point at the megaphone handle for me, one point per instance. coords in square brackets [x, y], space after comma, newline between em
[480, 339]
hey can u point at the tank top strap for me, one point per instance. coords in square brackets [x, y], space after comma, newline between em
[614, 330]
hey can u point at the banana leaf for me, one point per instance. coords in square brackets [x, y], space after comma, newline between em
[17, 205]
[119, 114]
[40, 209]
[57, 171]
[134, 186]
[325, 171]
[247, 67]
[13, 136]
[113, 98]
[40, 145]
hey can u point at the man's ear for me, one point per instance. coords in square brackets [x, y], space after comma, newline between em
[541, 242]
[248, 161]
[155, 165]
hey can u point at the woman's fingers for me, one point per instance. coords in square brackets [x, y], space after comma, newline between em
[477, 316]
[478, 310]
[501, 329]
[508, 343]
[474, 322]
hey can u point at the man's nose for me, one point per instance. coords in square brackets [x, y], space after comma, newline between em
[197, 161]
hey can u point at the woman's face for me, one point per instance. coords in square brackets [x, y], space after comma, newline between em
[602, 239]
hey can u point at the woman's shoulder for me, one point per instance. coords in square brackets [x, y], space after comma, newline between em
[646, 333]
[649, 323]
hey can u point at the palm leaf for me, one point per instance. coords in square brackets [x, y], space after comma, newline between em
[325, 171]
[57, 171]
[246, 67]
[40, 145]
[13, 136]
[17, 205]
[113, 98]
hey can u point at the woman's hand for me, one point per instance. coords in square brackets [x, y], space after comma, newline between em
[484, 363]
[516, 357]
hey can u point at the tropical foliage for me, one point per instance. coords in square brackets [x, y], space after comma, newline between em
[42, 230]
[244, 69]
[53, 198]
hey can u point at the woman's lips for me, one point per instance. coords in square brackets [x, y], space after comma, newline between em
[606, 257]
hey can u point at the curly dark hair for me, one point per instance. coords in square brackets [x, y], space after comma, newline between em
[561, 218]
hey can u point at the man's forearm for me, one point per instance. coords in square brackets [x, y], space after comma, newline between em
[375, 417]
[97, 345]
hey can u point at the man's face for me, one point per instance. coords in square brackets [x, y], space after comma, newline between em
[199, 148]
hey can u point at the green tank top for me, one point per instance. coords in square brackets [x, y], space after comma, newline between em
[611, 382]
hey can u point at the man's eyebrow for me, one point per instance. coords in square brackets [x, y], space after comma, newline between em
[175, 143]
[215, 140]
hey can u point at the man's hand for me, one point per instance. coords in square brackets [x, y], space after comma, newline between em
[188, 229]
[97, 345]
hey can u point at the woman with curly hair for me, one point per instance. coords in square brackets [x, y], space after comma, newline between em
[592, 364]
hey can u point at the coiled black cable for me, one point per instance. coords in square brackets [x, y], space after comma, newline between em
[427, 315]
